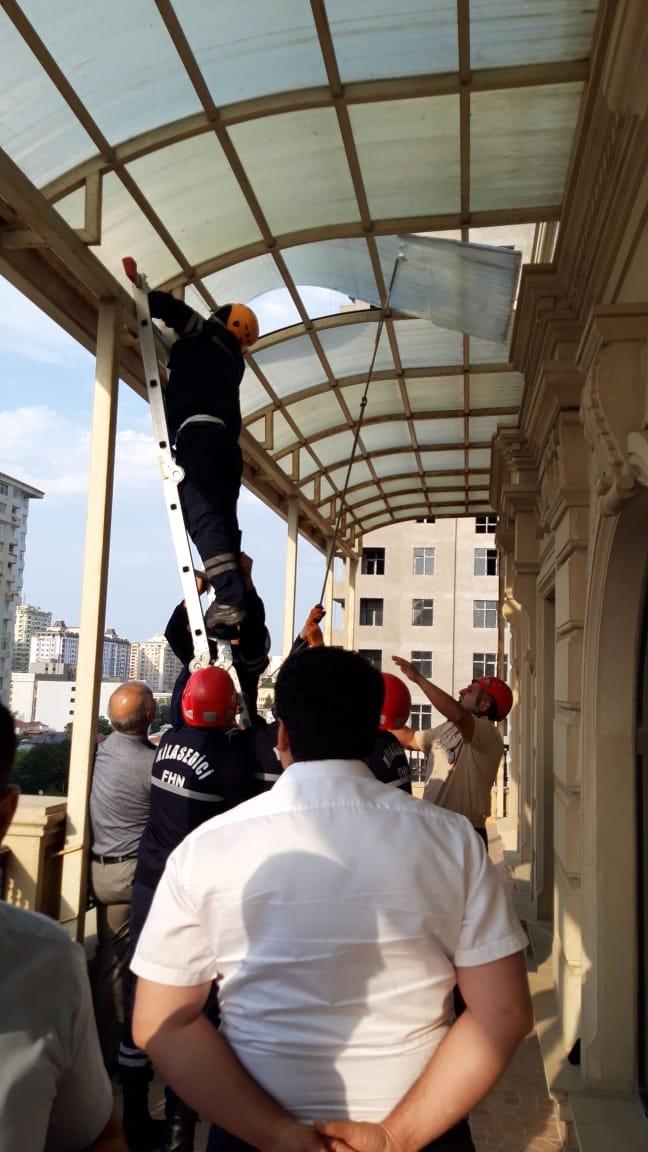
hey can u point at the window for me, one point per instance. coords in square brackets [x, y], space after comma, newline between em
[371, 612]
[4, 490]
[485, 523]
[373, 562]
[484, 613]
[423, 613]
[373, 655]
[485, 562]
[426, 519]
[3, 507]
[421, 717]
[484, 664]
[423, 564]
[422, 661]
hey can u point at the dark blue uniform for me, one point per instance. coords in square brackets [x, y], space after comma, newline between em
[205, 371]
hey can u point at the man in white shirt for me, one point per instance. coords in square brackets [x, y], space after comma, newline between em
[54, 1091]
[336, 915]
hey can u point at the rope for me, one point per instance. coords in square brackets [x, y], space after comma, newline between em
[363, 405]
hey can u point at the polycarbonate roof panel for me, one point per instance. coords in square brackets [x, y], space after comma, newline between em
[381, 437]
[442, 461]
[247, 281]
[297, 163]
[290, 367]
[375, 38]
[405, 136]
[424, 345]
[383, 399]
[350, 349]
[440, 392]
[120, 60]
[180, 181]
[289, 153]
[496, 390]
[439, 431]
[488, 351]
[514, 32]
[37, 129]
[252, 48]
[520, 142]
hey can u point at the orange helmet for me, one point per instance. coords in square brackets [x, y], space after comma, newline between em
[243, 324]
[499, 692]
[209, 699]
[397, 703]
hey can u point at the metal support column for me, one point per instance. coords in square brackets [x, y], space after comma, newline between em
[93, 608]
[292, 540]
[350, 602]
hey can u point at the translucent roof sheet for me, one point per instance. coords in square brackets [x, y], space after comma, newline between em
[286, 153]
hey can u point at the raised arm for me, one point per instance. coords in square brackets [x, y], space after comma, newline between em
[442, 701]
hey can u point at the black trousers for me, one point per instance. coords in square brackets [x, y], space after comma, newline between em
[213, 467]
[457, 1139]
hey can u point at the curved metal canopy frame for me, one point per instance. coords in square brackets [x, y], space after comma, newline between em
[214, 184]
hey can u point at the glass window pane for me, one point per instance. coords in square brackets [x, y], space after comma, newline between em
[422, 613]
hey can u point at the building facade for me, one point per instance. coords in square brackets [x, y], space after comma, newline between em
[428, 591]
[29, 621]
[153, 662]
[14, 509]
[56, 649]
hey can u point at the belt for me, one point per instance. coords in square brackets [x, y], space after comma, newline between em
[200, 418]
[113, 859]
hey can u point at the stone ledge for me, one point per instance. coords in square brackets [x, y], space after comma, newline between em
[603, 1123]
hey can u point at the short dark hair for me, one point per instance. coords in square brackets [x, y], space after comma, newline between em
[8, 745]
[330, 702]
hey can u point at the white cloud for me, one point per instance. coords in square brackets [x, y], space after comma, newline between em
[52, 451]
[29, 332]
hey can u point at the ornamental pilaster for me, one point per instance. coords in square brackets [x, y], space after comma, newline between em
[613, 358]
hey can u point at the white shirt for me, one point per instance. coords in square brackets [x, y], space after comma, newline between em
[54, 1091]
[331, 910]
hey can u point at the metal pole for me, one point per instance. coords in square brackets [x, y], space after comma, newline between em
[292, 541]
[350, 601]
[93, 608]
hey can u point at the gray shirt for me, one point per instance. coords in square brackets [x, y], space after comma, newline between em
[120, 794]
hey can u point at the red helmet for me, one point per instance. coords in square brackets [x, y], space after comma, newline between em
[209, 699]
[499, 692]
[397, 703]
[243, 324]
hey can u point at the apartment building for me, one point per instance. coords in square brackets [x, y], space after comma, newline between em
[14, 509]
[29, 621]
[153, 662]
[428, 590]
[56, 650]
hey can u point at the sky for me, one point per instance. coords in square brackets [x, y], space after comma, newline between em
[46, 386]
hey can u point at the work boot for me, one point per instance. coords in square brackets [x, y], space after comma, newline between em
[222, 614]
[179, 1134]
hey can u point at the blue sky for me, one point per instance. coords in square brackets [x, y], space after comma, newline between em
[46, 384]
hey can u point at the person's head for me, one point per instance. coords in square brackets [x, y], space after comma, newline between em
[131, 708]
[487, 696]
[210, 699]
[397, 703]
[328, 704]
[241, 321]
[8, 792]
